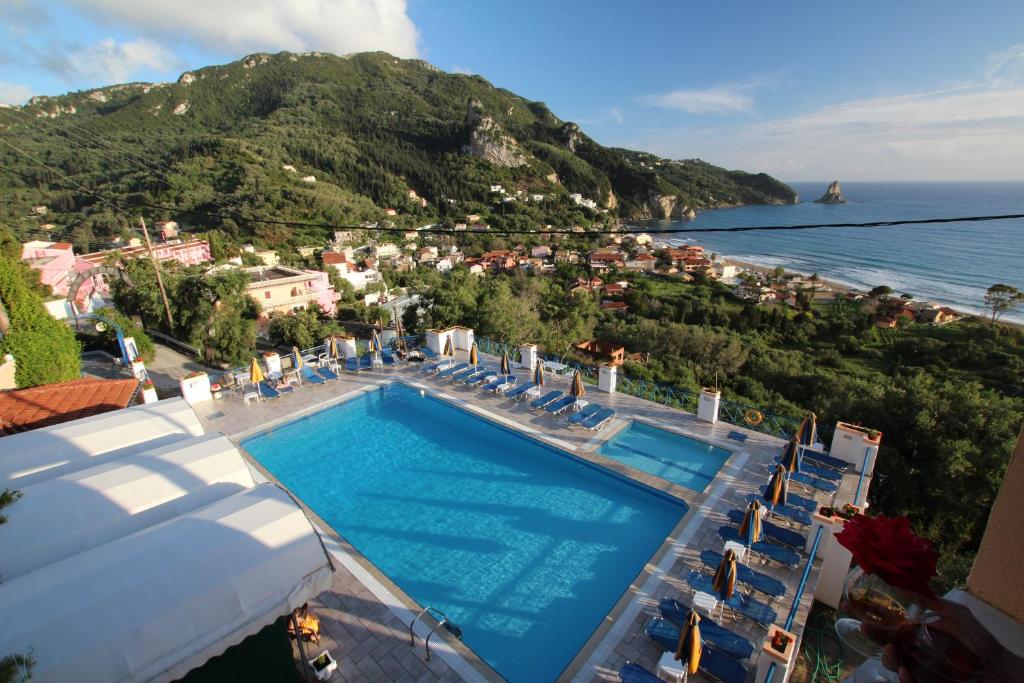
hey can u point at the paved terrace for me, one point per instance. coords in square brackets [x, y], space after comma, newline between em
[365, 615]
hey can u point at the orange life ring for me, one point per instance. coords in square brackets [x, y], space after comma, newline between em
[753, 417]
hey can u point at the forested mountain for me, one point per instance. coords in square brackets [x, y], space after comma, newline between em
[369, 127]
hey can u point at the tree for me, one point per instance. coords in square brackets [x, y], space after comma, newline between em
[11, 668]
[44, 349]
[147, 351]
[880, 292]
[6, 498]
[1001, 298]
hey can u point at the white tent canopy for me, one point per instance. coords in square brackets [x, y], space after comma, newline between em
[66, 515]
[155, 604]
[41, 454]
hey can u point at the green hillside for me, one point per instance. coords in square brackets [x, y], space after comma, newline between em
[368, 126]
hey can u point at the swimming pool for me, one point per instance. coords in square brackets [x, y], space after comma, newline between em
[525, 547]
[674, 457]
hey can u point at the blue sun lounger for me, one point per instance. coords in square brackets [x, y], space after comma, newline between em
[438, 366]
[795, 501]
[561, 405]
[797, 514]
[365, 362]
[718, 637]
[476, 375]
[813, 482]
[352, 364]
[773, 531]
[447, 372]
[309, 376]
[763, 583]
[826, 460]
[599, 419]
[547, 398]
[387, 357]
[483, 378]
[519, 390]
[462, 374]
[428, 353]
[267, 391]
[751, 608]
[581, 415]
[327, 373]
[815, 471]
[714, 663]
[781, 554]
[497, 382]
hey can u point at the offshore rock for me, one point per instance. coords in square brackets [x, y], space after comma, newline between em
[833, 195]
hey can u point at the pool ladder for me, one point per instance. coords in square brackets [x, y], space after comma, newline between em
[442, 620]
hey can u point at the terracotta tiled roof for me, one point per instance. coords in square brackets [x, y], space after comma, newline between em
[49, 404]
[331, 258]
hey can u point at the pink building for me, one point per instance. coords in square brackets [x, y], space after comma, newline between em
[187, 253]
[55, 262]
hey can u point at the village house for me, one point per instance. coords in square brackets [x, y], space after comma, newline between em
[281, 289]
[187, 253]
[306, 252]
[309, 179]
[566, 256]
[939, 315]
[390, 211]
[641, 263]
[602, 351]
[385, 250]
[615, 289]
[602, 259]
[616, 306]
[543, 251]
[473, 218]
[167, 230]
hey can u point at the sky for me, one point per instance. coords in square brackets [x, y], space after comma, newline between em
[914, 90]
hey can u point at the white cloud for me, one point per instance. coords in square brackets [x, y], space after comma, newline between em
[974, 132]
[111, 62]
[616, 115]
[14, 93]
[241, 26]
[720, 99]
[456, 69]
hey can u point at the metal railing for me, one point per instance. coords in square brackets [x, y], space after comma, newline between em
[674, 397]
[496, 348]
[746, 416]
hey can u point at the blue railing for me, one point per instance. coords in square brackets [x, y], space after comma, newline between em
[799, 595]
[863, 471]
[674, 397]
[758, 420]
[496, 348]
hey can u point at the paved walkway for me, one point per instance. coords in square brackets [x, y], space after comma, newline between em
[620, 636]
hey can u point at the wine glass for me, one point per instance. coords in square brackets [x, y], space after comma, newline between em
[932, 655]
[871, 612]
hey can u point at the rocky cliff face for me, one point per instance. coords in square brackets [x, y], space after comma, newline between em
[488, 141]
[571, 134]
[833, 195]
[662, 207]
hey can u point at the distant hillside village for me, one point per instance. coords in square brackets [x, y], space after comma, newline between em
[356, 258]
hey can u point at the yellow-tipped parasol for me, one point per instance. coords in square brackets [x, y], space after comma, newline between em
[689, 648]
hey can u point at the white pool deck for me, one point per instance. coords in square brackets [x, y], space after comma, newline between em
[365, 617]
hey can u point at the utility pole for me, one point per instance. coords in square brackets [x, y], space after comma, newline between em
[159, 280]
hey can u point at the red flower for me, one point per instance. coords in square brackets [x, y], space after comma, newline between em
[887, 548]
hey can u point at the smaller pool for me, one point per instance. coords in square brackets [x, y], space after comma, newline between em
[673, 457]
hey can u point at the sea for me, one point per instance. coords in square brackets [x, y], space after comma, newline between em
[951, 263]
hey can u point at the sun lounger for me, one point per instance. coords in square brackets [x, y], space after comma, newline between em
[483, 380]
[763, 583]
[797, 514]
[309, 376]
[519, 390]
[813, 470]
[440, 365]
[581, 415]
[462, 374]
[267, 391]
[476, 375]
[327, 373]
[562, 404]
[772, 551]
[387, 357]
[365, 362]
[352, 364]
[428, 354]
[634, 673]
[793, 500]
[547, 398]
[752, 609]
[715, 663]
[510, 381]
[773, 531]
[826, 460]
[809, 482]
[718, 637]
[599, 419]
[497, 382]
[447, 372]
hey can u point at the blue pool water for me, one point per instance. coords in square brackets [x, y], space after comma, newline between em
[672, 457]
[524, 547]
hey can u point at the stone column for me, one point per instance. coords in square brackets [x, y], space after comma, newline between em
[707, 407]
[347, 347]
[835, 559]
[196, 389]
[607, 375]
